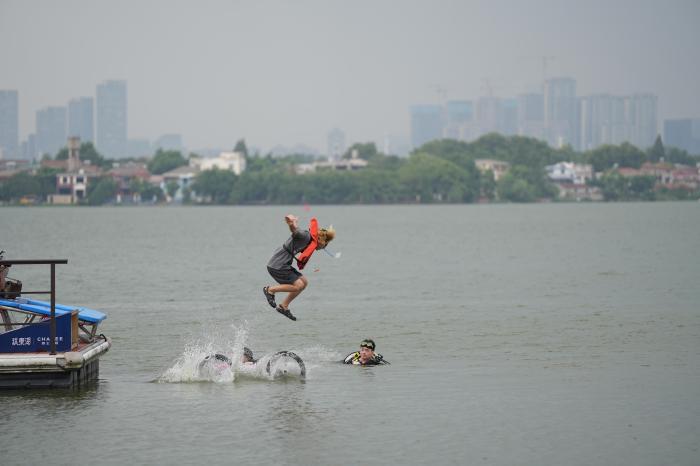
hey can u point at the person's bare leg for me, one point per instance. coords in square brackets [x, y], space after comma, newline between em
[281, 288]
[300, 285]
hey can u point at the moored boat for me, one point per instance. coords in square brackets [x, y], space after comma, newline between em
[44, 344]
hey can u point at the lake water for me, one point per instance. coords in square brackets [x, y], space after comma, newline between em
[517, 335]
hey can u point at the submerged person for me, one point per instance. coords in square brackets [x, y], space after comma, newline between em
[247, 357]
[218, 362]
[290, 280]
[366, 356]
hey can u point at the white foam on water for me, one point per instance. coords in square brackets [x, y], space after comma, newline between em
[187, 367]
[190, 366]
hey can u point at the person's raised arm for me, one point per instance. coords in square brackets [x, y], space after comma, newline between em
[291, 222]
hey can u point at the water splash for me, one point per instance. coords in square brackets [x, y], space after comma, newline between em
[198, 363]
[188, 367]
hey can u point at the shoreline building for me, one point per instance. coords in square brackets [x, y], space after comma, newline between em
[112, 119]
[9, 124]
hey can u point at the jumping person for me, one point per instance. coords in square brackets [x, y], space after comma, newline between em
[280, 267]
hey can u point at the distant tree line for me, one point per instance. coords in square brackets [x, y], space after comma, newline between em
[441, 171]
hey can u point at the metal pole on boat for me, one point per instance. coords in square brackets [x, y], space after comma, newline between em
[52, 331]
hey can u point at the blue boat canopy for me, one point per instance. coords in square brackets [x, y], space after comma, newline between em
[44, 308]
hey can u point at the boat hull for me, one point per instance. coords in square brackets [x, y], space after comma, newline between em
[63, 370]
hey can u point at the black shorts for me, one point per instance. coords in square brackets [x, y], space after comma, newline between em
[284, 276]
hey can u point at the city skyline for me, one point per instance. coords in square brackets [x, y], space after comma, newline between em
[557, 116]
[209, 73]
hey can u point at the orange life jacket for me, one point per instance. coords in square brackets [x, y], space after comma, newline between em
[306, 253]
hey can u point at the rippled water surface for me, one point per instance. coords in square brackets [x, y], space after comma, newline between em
[534, 335]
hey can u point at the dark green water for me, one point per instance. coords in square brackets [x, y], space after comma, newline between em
[518, 334]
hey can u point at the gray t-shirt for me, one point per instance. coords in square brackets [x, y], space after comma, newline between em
[283, 256]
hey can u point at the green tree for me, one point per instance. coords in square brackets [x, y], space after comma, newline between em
[488, 185]
[165, 160]
[515, 189]
[259, 187]
[386, 162]
[147, 191]
[366, 151]
[214, 185]
[171, 188]
[642, 187]
[88, 152]
[657, 151]
[377, 187]
[616, 187]
[186, 195]
[47, 180]
[608, 156]
[105, 189]
[19, 185]
[448, 149]
[675, 155]
[428, 178]
[241, 148]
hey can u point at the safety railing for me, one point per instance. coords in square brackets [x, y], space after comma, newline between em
[52, 291]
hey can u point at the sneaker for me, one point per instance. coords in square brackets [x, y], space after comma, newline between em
[285, 312]
[270, 297]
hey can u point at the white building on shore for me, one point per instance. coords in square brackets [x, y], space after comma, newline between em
[569, 172]
[231, 161]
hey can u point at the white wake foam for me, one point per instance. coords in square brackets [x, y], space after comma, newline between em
[229, 342]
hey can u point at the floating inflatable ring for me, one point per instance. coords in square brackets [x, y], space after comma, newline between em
[281, 354]
[213, 358]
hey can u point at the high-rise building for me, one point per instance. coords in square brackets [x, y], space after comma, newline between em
[80, 119]
[460, 115]
[508, 117]
[641, 112]
[426, 124]
[50, 130]
[683, 133]
[531, 115]
[609, 119]
[112, 119]
[9, 124]
[560, 111]
[601, 121]
[138, 148]
[28, 149]
[488, 115]
[336, 144]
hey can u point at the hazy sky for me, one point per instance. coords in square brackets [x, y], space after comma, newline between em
[286, 72]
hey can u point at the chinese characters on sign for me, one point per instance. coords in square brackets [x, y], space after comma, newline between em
[27, 341]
